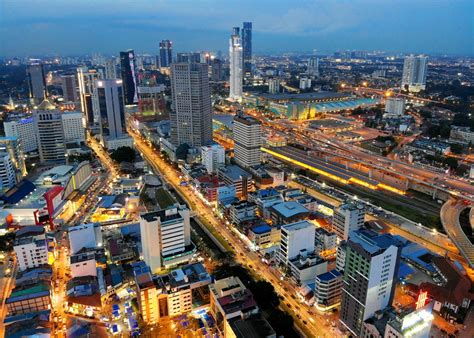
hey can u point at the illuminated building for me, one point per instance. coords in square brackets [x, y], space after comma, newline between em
[191, 116]
[166, 237]
[247, 140]
[313, 67]
[86, 80]
[69, 87]
[236, 67]
[348, 217]
[36, 82]
[370, 273]
[28, 298]
[50, 135]
[22, 127]
[189, 57]
[31, 248]
[12, 146]
[247, 49]
[242, 211]
[414, 73]
[128, 70]
[7, 172]
[73, 127]
[212, 157]
[305, 83]
[325, 241]
[166, 53]
[87, 236]
[328, 290]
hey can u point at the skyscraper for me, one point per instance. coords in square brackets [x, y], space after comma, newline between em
[191, 117]
[371, 268]
[86, 79]
[414, 73]
[110, 68]
[166, 53]
[348, 217]
[188, 57]
[128, 70]
[247, 140]
[109, 95]
[50, 136]
[313, 67]
[247, 49]
[36, 82]
[236, 60]
[69, 87]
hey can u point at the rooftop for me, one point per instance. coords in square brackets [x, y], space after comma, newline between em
[297, 226]
[328, 276]
[373, 242]
[234, 173]
[289, 209]
[252, 327]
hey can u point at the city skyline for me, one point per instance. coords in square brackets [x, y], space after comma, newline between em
[82, 27]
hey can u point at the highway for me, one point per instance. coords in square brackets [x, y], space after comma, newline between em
[450, 212]
[305, 318]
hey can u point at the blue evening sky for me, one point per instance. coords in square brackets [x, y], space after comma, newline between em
[33, 27]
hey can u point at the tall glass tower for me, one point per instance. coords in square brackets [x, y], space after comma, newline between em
[247, 49]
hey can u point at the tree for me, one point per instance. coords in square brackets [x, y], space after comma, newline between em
[123, 154]
[182, 151]
[265, 295]
[6, 241]
[456, 148]
[451, 162]
[282, 323]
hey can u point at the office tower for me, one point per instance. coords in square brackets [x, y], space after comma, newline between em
[7, 172]
[348, 217]
[68, 85]
[247, 140]
[73, 127]
[216, 70]
[109, 96]
[414, 73]
[86, 80]
[296, 238]
[247, 49]
[128, 70]
[191, 117]
[212, 157]
[50, 136]
[395, 106]
[151, 99]
[13, 147]
[166, 237]
[111, 68]
[370, 274]
[36, 82]
[273, 86]
[31, 248]
[305, 83]
[166, 53]
[313, 67]
[328, 290]
[188, 58]
[25, 130]
[235, 53]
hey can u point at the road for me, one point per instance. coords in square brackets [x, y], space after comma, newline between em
[318, 325]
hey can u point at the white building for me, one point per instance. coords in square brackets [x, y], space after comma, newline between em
[73, 127]
[31, 249]
[414, 73]
[84, 236]
[83, 264]
[395, 106]
[296, 238]
[247, 141]
[236, 64]
[348, 217]
[325, 241]
[7, 172]
[313, 67]
[328, 290]
[212, 157]
[273, 86]
[50, 136]
[166, 237]
[23, 128]
[305, 83]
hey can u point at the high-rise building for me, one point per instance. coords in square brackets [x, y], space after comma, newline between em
[111, 68]
[348, 217]
[86, 80]
[50, 136]
[166, 237]
[213, 157]
[25, 130]
[191, 116]
[13, 147]
[247, 140]
[216, 70]
[7, 172]
[313, 67]
[73, 127]
[305, 83]
[295, 238]
[128, 70]
[273, 86]
[247, 49]
[370, 273]
[109, 96]
[36, 82]
[31, 248]
[414, 73]
[69, 87]
[189, 57]
[395, 106]
[236, 67]
[166, 53]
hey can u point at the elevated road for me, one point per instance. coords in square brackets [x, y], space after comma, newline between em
[450, 213]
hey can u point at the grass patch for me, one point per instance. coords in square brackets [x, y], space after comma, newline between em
[163, 198]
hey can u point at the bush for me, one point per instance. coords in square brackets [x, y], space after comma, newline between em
[123, 154]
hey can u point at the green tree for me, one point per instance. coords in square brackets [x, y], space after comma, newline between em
[457, 148]
[182, 151]
[6, 241]
[123, 154]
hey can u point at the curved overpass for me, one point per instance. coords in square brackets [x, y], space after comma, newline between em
[450, 213]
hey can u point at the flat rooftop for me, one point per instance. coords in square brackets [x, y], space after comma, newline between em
[289, 209]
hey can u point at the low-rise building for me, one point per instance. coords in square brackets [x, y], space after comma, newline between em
[242, 211]
[237, 177]
[32, 297]
[461, 135]
[288, 212]
[304, 267]
[31, 248]
[264, 236]
[328, 290]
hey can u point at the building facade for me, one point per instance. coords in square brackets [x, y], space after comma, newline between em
[128, 70]
[247, 141]
[212, 157]
[414, 73]
[166, 53]
[25, 130]
[348, 217]
[36, 82]
[236, 65]
[69, 87]
[247, 49]
[50, 136]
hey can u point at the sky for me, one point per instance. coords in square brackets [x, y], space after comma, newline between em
[68, 27]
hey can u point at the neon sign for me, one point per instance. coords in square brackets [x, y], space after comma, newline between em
[421, 301]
